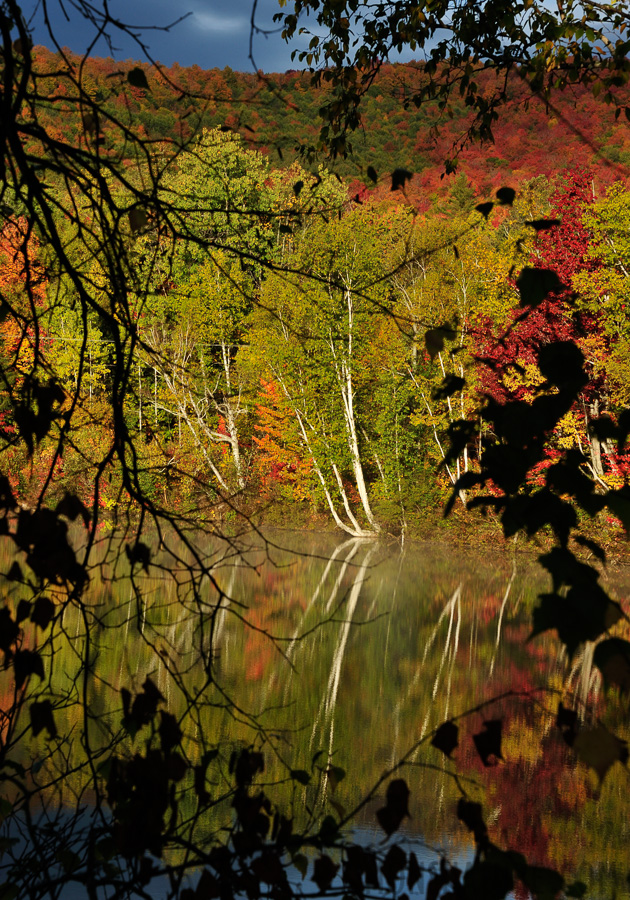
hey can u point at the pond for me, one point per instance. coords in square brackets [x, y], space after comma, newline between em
[338, 660]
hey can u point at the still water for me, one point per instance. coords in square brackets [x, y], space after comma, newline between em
[361, 650]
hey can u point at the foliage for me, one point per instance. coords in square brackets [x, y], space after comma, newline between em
[186, 272]
[547, 50]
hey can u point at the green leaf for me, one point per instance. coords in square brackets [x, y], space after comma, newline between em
[137, 78]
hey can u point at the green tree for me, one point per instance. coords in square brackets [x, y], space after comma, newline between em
[318, 334]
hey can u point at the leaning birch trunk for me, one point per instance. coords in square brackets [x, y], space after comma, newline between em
[230, 417]
[344, 376]
[354, 529]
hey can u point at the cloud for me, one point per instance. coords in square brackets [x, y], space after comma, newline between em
[218, 22]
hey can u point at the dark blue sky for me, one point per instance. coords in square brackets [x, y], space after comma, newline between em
[216, 33]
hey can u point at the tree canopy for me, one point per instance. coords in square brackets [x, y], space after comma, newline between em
[548, 49]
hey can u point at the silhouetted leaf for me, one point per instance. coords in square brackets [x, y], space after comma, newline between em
[394, 862]
[328, 830]
[246, 765]
[594, 547]
[207, 886]
[618, 502]
[488, 742]
[612, 658]
[545, 884]
[7, 500]
[600, 749]
[543, 224]
[485, 208]
[371, 174]
[488, 880]
[506, 196]
[71, 507]
[335, 775]
[534, 285]
[139, 553]
[268, 867]
[300, 775]
[25, 664]
[469, 813]
[583, 614]
[137, 78]
[69, 860]
[300, 861]
[297, 188]
[396, 807]
[434, 339]
[43, 612]
[567, 722]
[562, 364]
[138, 219]
[400, 177]
[145, 705]
[42, 718]
[577, 889]
[15, 573]
[414, 872]
[23, 610]
[169, 731]
[446, 738]
[324, 870]
[450, 385]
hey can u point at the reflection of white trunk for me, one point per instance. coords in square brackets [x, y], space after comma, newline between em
[335, 674]
[220, 614]
[352, 546]
[502, 610]
[588, 677]
[327, 709]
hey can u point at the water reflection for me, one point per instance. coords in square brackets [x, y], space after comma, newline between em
[360, 650]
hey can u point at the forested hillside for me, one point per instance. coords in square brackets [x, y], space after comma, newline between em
[322, 353]
[276, 114]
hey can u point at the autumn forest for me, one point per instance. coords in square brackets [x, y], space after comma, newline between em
[309, 367]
